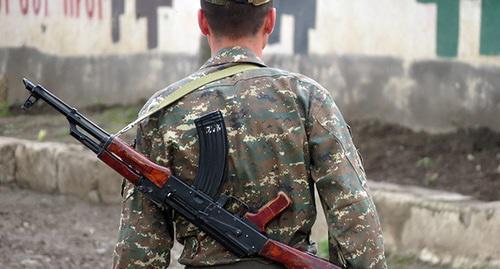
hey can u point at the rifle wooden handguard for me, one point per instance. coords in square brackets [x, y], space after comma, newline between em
[141, 165]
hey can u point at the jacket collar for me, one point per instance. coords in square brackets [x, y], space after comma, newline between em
[233, 55]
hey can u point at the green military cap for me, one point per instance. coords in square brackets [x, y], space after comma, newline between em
[253, 2]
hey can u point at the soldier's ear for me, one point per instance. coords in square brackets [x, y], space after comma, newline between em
[203, 23]
[270, 21]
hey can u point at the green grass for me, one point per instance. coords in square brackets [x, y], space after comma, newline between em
[426, 162]
[4, 109]
[114, 119]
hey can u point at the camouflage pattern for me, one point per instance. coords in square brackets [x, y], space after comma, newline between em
[285, 134]
[253, 2]
[251, 264]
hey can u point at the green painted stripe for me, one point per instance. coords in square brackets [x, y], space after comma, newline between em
[490, 27]
[447, 36]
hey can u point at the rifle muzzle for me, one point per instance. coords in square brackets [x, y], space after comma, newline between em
[33, 97]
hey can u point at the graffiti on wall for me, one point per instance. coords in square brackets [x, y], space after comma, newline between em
[451, 25]
[448, 26]
[25, 6]
[304, 14]
[144, 9]
[72, 8]
[490, 27]
[92, 9]
[4, 6]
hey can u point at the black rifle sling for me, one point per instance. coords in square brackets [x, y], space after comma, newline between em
[212, 162]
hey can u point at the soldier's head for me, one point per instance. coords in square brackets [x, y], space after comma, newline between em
[236, 19]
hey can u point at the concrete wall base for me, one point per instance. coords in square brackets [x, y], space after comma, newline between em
[439, 227]
[58, 168]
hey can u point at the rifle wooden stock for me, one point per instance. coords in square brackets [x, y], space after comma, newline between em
[293, 258]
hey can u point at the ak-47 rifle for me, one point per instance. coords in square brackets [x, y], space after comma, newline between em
[242, 234]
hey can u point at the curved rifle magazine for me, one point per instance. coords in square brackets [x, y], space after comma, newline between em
[213, 151]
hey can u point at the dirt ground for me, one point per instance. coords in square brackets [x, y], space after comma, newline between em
[54, 231]
[466, 161]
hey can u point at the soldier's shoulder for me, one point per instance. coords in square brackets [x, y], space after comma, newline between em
[162, 93]
[289, 75]
[295, 80]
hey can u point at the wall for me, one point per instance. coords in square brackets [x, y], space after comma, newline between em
[427, 64]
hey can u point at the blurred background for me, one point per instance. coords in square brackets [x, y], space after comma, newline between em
[417, 80]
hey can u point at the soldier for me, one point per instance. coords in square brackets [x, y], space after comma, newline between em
[285, 134]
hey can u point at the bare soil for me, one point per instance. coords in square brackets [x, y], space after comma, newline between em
[466, 161]
[50, 231]
[54, 231]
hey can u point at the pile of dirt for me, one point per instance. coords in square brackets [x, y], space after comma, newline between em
[466, 161]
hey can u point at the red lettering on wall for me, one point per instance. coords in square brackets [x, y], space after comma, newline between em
[77, 8]
[69, 8]
[36, 6]
[100, 8]
[72, 8]
[24, 4]
[89, 7]
[4, 4]
[89, 4]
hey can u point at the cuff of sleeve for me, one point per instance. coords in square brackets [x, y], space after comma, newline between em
[356, 228]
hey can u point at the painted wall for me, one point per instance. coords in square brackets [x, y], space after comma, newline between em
[99, 27]
[431, 64]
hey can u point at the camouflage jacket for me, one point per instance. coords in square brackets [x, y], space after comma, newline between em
[285, 134]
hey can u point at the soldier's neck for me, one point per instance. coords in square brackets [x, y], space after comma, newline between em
[253, 43]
